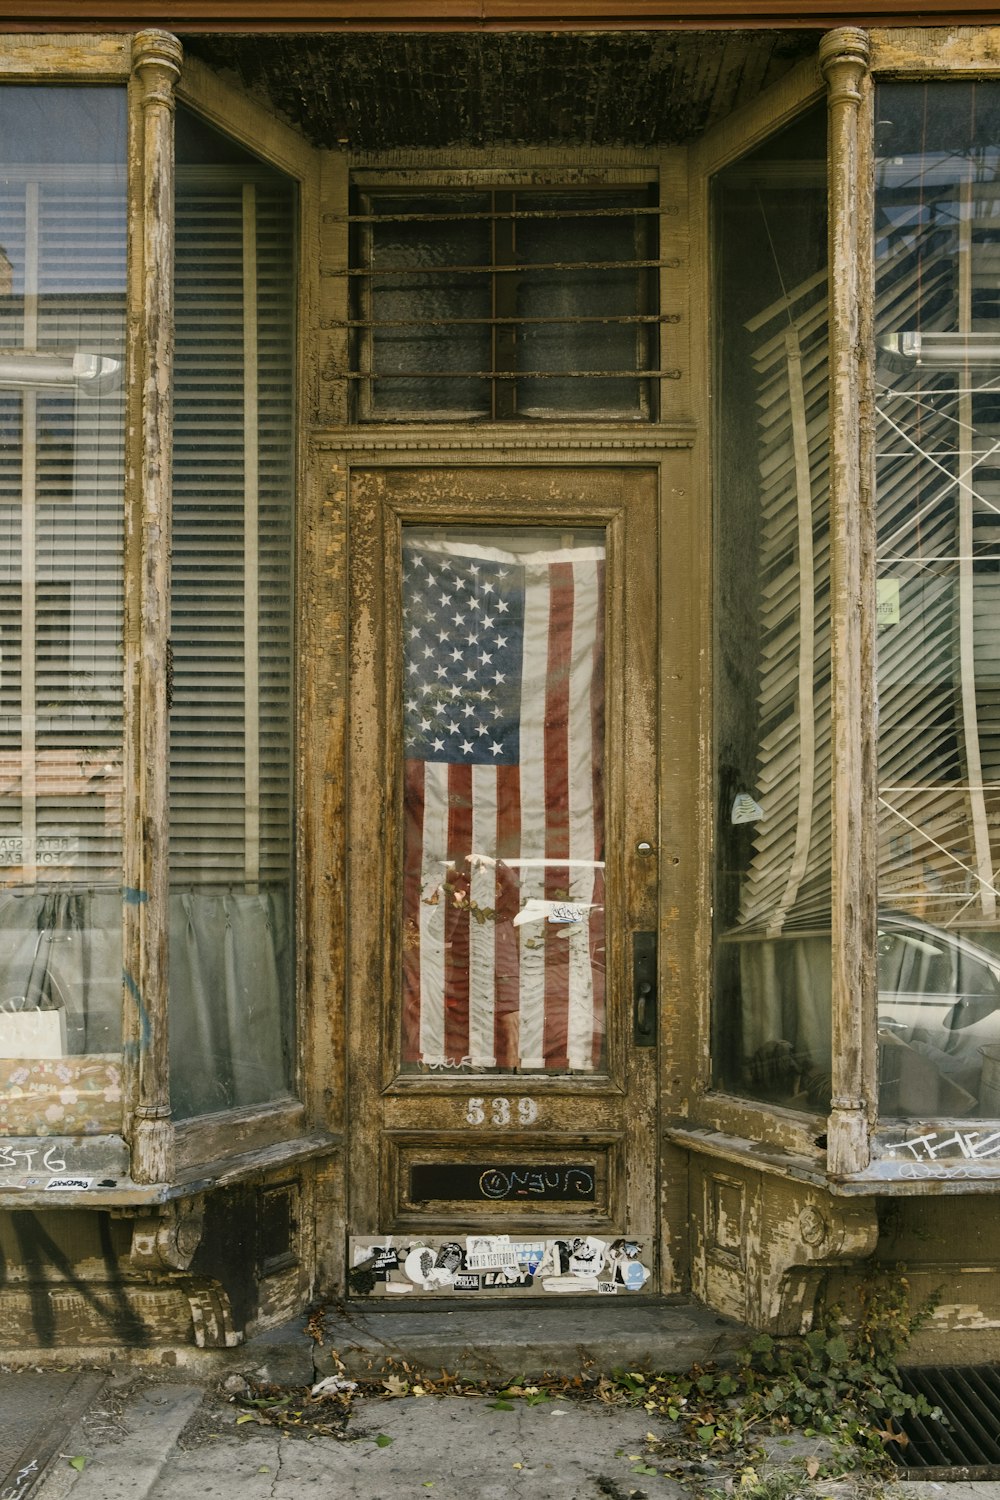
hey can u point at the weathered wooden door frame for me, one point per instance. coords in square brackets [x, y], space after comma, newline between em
[397, 1121]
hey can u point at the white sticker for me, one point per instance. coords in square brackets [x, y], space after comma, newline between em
[563, 912]
[502, 1258]
[68, 1184]
[745, 809]
[536, 910]
[888, 601]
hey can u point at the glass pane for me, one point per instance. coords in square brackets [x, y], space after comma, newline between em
[602, 293]
[423, 353]
[62, 331]
[231, 963]
[503, 857]
[938, 336]
[772, 1015]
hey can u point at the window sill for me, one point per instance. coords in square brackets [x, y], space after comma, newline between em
[100, 1188]
[775, 1160]
[887, 1176]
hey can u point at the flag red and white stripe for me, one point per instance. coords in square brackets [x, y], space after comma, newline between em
[503, 954]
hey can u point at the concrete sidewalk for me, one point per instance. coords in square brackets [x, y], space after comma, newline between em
[182, 1442]
[192, 1432]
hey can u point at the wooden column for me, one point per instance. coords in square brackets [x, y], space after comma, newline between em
[844, 58]
[156, 58]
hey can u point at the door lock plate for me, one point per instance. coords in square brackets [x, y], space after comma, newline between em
[644, 997]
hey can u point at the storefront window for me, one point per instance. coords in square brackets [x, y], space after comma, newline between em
[938, 436]
[772, 1007]
[62, 331]
[231, 970]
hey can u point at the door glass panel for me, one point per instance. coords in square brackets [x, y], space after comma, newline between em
[503, 847]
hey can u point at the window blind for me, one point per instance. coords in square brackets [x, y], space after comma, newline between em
[230, 726]
[62, 289]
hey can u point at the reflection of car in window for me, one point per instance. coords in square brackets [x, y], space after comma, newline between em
[938, 1008]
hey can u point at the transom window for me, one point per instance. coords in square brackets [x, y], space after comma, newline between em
[501, 303]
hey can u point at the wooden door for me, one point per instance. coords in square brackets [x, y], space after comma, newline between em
[502, 880]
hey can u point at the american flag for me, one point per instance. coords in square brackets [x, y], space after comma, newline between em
[503, 937]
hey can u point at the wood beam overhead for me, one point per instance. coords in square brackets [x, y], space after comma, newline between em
[472, 15]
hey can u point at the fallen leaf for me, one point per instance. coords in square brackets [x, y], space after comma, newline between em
[395, 1386]
[812, 1467]
[500, 1405]
[248, 1416]
[383, 1440]
[78, 1463]
[263, 1469]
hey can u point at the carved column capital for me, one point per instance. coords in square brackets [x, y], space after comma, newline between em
[156, 59]
[844, 57]
[848, 1133]
[153, 1138]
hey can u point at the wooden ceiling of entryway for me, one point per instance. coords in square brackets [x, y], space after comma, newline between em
[378, 91]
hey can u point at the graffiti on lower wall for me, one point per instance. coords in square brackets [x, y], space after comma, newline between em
[398, 1265]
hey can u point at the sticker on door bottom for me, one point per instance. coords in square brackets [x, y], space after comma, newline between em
[398, 1265]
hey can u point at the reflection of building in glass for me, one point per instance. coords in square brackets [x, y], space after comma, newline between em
[6, 274]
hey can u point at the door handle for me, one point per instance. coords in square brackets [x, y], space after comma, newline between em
[644, 989]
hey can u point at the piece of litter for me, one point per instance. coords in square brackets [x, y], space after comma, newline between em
[333, 1385]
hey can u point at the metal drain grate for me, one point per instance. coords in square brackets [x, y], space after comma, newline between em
[966, 1445]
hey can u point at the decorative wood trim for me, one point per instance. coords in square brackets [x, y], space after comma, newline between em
[503, 165]
[917, 52]
[243, 119]
[480, 15]
[844, 57]
[156, 60]
[674, 222]
[235, 1132]
[747, 128]
[333, 407]
[522, 442]
[321, 924]
[65, 59]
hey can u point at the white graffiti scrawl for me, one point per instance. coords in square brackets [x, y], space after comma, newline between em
[970, 1145]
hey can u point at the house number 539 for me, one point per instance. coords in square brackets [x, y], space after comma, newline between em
[501, 1111]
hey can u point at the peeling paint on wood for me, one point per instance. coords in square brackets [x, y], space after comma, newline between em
[383, 91]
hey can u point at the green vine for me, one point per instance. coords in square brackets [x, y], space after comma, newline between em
[843, 1379]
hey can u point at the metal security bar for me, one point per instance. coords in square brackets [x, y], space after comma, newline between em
[496, 304]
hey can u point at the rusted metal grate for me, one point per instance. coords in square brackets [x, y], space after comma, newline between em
[966, 1443]
[501, 302]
